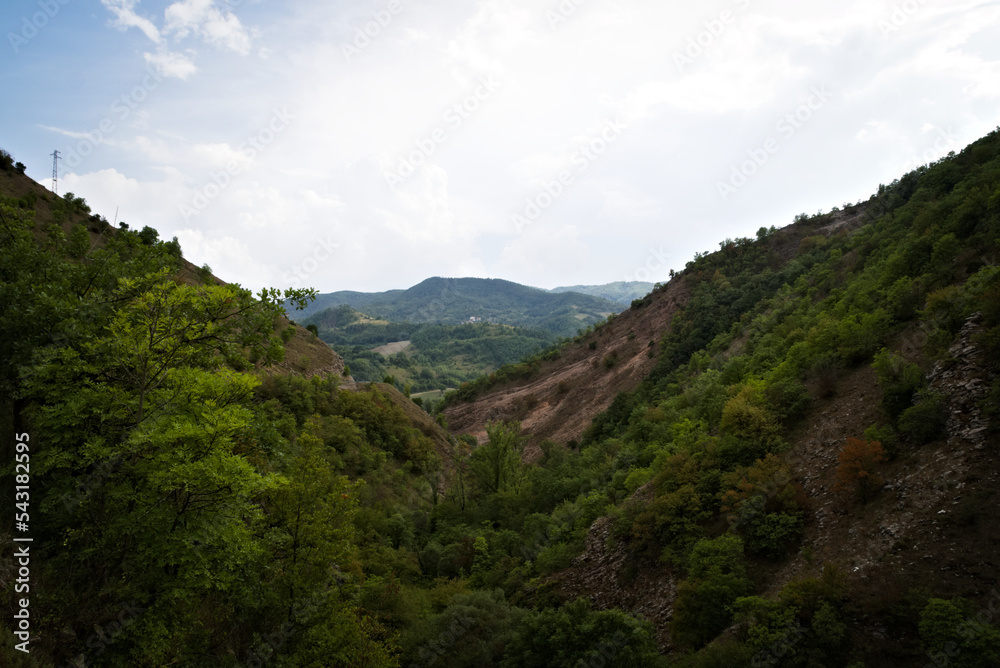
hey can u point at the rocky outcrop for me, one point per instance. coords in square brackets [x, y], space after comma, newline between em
[962, 377]
[600, 575]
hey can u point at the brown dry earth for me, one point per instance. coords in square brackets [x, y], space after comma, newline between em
[564, 396]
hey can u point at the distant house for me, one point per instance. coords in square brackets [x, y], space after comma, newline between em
[475, 318]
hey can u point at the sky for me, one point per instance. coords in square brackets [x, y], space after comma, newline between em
[368, 145]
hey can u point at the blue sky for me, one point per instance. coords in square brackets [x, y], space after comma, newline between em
[369, 145]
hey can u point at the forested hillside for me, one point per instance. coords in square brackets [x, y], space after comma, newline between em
[421, 356]
[453, 301]
[622, 292]
[788, 457]
[803, 476]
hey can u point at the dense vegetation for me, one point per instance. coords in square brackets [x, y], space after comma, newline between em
[233, 517]
[189, 507]
[439, 357]
[453, 301]
[762, 337]
[622, 292]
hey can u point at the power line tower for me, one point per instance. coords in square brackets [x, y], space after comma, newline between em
[55, 172]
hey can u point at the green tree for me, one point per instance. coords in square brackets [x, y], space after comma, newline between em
[950, 639]
[310, 526]
[575, 635]
[496, 464]
[716, 578]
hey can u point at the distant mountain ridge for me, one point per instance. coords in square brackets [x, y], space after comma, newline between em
[622, 292]
[453, 301]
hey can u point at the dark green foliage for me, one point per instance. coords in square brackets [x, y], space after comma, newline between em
[926, 420]
[204, 273]
[804, 627]
[716, 578]
[767, 534]
[149, 236]
[899, 381]
[496, 463]
[439, 356]
[952, 637]
[668, 527]
[452, 301]
[474, 630]
[724, 654]
[622, 292]
[575, 635]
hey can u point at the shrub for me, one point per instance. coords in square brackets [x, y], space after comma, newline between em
[716, 578]
[954, 641]
[724, 654]
[826, 370]
[898, 379]
[743, 416]
[767, 534]
[668, 526]
[472, 631]
[856, 467]
[574, 636]
[926, 421]
[204, 272]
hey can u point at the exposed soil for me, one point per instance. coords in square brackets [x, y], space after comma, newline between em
[392, 348]
[561, 400]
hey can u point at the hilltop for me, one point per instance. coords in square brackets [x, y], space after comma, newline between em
[453, 301]
[623, 292]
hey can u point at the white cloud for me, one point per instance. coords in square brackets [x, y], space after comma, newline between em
[202, 17]
[654, 186]
[125, 18]
[171, 64]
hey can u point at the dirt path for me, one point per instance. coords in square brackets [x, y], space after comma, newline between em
[392, 348]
